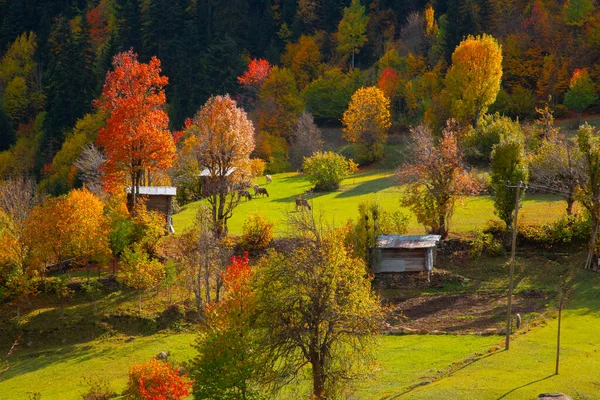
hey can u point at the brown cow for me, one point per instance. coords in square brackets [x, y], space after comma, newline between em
[258, 190]
[245, 193]
[300, 202]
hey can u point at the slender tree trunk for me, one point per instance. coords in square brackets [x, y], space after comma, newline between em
[512, 268]
[443, 230]
[570, 202]
[140, 301]
[560, 306]
[588, 262]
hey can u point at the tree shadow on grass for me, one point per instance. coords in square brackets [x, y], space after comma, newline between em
[21, 364]
[369, 187]
[525, 385]
[468, 362]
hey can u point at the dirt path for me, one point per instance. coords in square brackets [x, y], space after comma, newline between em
[462, 313]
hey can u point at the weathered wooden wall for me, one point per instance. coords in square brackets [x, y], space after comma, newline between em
[401, 260]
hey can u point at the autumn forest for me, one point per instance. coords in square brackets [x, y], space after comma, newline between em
[292, 199]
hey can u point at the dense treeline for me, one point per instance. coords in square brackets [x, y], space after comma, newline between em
[50, 76]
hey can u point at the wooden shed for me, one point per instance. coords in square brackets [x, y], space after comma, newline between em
[158, 198]
[405, 253]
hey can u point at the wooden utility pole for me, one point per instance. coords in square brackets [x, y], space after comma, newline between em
[512, 266]
[560, 306]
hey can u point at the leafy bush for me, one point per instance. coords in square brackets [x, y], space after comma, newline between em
[256, 167]
[326, 170]
[156, 380]
[486, 243]
[99, 389]
[258, 234]
[495, 227]
[573, 229]
[372, 221]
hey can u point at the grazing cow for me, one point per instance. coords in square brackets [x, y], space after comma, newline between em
[269, 178]
[258, 190]
[300, 202]
[245, 193]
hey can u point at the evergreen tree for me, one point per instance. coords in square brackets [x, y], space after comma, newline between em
[69, 80]
[129, 26]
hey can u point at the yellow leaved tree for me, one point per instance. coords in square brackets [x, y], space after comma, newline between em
[473, 80]
[367, 121]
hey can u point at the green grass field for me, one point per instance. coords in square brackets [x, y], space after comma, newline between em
[411, 367]
[59, 373]
[339, 206]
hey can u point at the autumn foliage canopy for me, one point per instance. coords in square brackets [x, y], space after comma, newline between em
[136, 137]
[254, 76]
[157, 380]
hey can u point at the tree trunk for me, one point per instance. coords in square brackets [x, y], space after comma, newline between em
[140, 301]
[443, 230]
[570, 202]
[592, 249]
[318, 378]
[560, 306]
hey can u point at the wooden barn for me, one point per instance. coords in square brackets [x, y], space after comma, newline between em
[405, 253]
[158, 198]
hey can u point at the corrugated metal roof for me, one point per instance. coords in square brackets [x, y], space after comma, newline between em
[206, 172]
[156, 190]
[407, 241]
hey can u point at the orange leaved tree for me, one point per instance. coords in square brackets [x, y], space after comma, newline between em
[72, 227]
[157, 380]
[136, 139]
[225, 139]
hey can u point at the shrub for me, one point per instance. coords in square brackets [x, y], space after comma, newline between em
[256, 167]
[495, 227]
[486, 243]
[156, 380]
[99, 390]
[326, 170]
[258, 234]
[372, 221]
[571, 229]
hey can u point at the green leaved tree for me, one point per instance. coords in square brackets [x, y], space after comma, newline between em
[352, 29]
[581, 93]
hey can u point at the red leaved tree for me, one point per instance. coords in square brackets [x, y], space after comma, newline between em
[136, 139]
[254, 76]
[157, 380]
[389, 82]
[436, 177]
[228, 363]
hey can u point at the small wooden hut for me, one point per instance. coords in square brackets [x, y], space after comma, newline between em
[158, 198]
[405, 253]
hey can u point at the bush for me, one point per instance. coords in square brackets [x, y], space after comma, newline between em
[257, 167]
[156, 380]
[99, 390]
[486, 243]
[258, 234]
[372, 221]
[326, 170]
[495, 227]
[571, 229]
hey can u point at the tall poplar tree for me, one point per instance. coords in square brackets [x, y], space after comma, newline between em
[352, 29]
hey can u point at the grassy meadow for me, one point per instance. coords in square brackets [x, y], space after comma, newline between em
[410, 366]
[337, 207]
